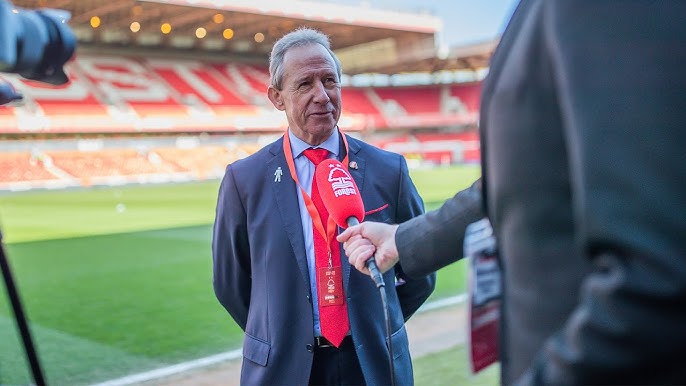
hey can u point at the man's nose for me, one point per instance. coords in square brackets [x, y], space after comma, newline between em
[320, 94]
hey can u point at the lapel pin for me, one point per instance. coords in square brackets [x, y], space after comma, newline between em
[277, 174]
[353, 165]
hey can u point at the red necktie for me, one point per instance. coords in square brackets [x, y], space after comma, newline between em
[333, 314]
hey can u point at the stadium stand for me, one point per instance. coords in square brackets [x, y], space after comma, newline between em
[157, 93]
[122, 94]
[410, 100]
[21, 167]
[202, 162]
[468, 96]
[110, 165]
[116, 96]
[441, 148]
[358, 102]
[252, 79]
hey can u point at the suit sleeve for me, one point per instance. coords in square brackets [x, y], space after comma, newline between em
[412, 292]
[619, 71]
[431, 241]
[231, 253]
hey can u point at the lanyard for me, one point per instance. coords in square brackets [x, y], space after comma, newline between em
[328, 233]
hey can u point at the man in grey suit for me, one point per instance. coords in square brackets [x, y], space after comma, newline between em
[583, 132]
[267, 241]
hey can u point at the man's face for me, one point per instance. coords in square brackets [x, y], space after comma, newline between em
[310, 94]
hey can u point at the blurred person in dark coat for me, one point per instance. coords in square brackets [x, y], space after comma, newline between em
[266, 255]
[583, 132]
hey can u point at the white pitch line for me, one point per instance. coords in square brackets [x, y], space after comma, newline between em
[235, 354]
[441, 303]
[175, 369]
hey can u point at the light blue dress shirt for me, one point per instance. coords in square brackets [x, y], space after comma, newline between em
[305, 171]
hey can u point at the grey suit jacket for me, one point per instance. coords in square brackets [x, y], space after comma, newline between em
[261, 276]
[583, 129]
[435, 239]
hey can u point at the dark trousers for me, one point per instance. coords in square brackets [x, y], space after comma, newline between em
[336, 366]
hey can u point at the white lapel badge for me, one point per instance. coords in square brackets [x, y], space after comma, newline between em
[277, 174]
[353, 165]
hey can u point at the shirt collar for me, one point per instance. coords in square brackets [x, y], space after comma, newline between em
[298, 145]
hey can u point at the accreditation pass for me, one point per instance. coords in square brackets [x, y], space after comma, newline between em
[484, 294]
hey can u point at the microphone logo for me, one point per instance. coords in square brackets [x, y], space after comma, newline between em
[342, 183]
[339, 193]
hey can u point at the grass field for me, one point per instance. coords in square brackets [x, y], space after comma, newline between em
[118, 280]
[451, 367]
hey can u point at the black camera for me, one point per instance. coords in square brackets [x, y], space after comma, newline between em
[34, 44]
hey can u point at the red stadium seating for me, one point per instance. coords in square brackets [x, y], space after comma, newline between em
[463, 136]
[437, 147]
[70, 99]
[255, 76]
[413, 100]
[468, 94]
[204, 87]
[129, 82]
[8, 120]
[109, 94]
[203, 162]
[22, 166]
[92, 167]
[356, 101]
[121, 95]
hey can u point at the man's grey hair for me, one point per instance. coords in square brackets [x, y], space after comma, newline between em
[300, 37]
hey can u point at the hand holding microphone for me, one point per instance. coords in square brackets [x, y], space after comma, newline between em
[370, 239]
[343, 201]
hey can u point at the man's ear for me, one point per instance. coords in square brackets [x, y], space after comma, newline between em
[276, 98]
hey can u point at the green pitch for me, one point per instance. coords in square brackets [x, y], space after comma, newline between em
[119, 280]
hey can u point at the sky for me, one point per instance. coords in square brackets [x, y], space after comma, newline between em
[464, 21]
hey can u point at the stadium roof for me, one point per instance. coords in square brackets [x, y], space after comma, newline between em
[366, 40]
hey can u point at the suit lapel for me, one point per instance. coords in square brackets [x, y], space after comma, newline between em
[286, 197]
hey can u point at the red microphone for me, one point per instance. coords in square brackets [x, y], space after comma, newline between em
[343, 201]
[339, 193]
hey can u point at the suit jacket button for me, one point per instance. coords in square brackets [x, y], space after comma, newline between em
[310, 348]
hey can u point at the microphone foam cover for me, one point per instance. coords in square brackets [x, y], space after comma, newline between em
[339, 192]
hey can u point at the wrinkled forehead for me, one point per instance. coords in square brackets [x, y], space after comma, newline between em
[308, 58]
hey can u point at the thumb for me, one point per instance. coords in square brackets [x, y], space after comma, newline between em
[348, 233]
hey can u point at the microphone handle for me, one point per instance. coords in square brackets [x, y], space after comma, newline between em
[370, 263]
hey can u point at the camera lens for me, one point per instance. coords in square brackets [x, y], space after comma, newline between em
[37, 44]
